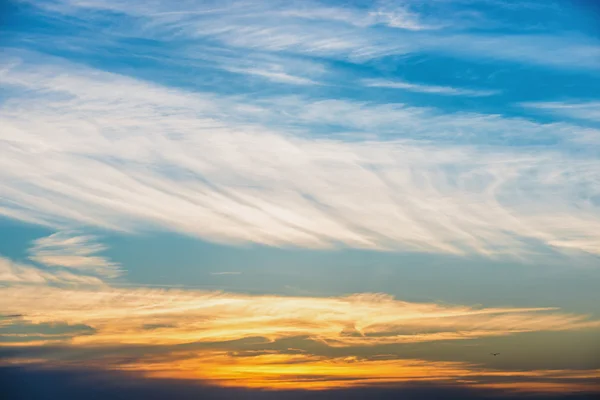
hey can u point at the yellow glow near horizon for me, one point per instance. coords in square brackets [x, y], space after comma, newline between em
[167, 319]
[279, 371]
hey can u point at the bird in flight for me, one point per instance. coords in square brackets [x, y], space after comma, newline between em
[494, 354]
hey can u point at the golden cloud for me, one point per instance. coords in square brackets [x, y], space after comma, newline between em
[120, 316]
[168, 319]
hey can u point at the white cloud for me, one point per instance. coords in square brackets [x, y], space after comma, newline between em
[91, 148]
[395, 16]
[66, 258]
[226, 273]
[16, 273]
[421, 88]
[402, 18]
[276, 68]
[351, 33]
[274, 74]
[589, 110]
[72, 251]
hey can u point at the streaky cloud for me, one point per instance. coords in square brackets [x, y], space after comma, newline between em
[120, 316]
[226, 273]
[189, 334]
[249, 170]
[18, 273]
[583, 110]
[73, 251]
[356, 35]
[274, 74]
[420, 88]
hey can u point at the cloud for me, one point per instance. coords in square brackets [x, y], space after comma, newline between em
[274, 74]
[272, 171]
[191, 334]
[75, 382]
[22, 334]
[226, 273]
[12, 272]
[270, 67]
[420, 88]
[354, 34]
[402, 18]
[284, 371]
[121, 315]
[578, 110]
[394, 16]
[72, 251]
[67, 259]
[280, 170]
[200, 335]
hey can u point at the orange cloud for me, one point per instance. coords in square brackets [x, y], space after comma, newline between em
[273, 370]
[119, 316]
[165, 319]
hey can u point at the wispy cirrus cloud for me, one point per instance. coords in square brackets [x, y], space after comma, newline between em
[421, 88]
[267, 67]
[18, 273]
[354, 34]
[75, 252]
[226, 273]
[235, 169]
[589, 110]
[401, 17]
[63, 258]
[394, 15]
[274, 74]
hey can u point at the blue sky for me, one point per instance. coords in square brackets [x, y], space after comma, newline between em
[444, 153]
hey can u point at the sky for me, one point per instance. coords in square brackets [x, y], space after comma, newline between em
[345, 199]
